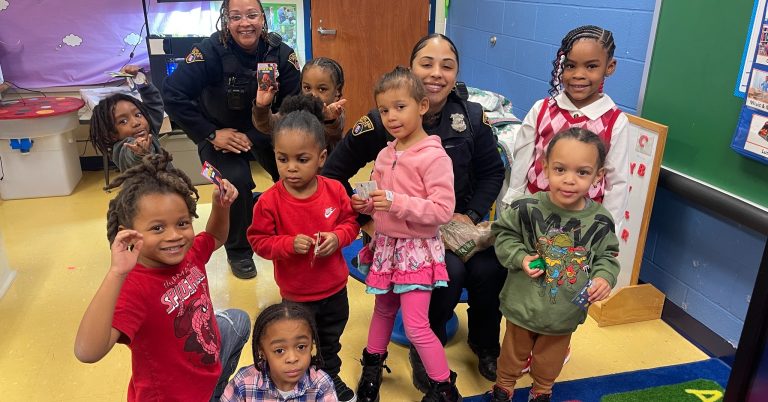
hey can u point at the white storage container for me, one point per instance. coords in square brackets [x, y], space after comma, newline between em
[50, 168]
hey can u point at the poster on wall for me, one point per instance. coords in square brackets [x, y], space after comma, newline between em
[751, 47]
[751, 136]
[286, 18]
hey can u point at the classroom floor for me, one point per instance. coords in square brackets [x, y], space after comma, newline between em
[59, 249]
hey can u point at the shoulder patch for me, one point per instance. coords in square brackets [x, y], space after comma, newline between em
[362, 126]
[293, 59]
[194, 56]
[485, 120]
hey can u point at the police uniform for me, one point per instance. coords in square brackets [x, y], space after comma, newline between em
[213, 89]
[478, 175]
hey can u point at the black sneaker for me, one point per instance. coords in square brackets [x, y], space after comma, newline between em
[486, 362]
[343, 392]
[499, 394]
[419, 377]
[539, 397]
[243, 269]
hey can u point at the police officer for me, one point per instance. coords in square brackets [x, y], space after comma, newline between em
[478, 174]
[209, 96]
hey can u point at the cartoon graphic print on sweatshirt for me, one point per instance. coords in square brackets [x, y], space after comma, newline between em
[563, 260]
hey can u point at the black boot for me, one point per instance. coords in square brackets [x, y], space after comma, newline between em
[445, 391]
[370, 379]
[419, 377]
[486, 361]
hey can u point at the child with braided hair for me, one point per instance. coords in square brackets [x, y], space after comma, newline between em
[155, 296]
[126, 128]
[584, 60]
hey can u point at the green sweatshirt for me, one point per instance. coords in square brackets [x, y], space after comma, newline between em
[577, 246]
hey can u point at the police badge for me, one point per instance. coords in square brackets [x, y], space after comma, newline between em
[458, 123]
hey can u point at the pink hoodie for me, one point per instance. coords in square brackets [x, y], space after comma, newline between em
[421, 179]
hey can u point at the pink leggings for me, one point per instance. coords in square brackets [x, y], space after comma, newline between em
[415, 308]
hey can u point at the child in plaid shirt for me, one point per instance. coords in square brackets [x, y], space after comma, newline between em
[284, 368]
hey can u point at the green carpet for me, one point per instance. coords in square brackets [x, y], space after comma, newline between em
[693, 391]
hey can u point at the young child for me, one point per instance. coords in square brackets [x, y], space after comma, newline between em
[322, 78]
[584, 60]
[405, 259]
[575, 238]
[301, 223]
[284, 368]
[155, 296]
[127, 128]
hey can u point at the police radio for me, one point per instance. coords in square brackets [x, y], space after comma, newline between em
[238, 86]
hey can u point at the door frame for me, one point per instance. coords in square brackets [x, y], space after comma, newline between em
[435, 7]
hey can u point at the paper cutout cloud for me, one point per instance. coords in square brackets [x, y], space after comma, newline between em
[132, 39]
[72, 40]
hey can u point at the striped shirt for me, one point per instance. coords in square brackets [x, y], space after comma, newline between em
[251, 385]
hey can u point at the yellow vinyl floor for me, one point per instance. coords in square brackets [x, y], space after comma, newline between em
[59, 250]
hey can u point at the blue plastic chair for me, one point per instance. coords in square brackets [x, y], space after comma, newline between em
[398, 331]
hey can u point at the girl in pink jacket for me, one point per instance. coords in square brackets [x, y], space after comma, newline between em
[406, 259]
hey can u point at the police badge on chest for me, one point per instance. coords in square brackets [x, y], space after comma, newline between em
[458, 123]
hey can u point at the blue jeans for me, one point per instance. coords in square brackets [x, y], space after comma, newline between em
[235, 328]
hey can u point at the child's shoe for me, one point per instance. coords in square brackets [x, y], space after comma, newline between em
[539, 397]
[370, 379]
[343, 392]
[444, 391]
[499, 394]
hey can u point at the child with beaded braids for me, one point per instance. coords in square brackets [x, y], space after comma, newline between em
[321, 78]
[284, 367]
[155, 296]
[584, 60]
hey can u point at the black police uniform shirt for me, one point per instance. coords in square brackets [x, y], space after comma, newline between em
[195, 95]
[466, 136]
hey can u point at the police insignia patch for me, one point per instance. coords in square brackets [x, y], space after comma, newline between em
[294, 60]
[458, 123]
[485, 120]
[194, 56]
[362, 126]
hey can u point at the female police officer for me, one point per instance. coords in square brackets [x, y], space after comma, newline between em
[478, 175]
[209, 96]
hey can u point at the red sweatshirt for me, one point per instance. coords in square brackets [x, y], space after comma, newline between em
[278, 217]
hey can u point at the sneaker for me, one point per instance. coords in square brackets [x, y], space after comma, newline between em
[343, 392]
[499, 394]
[539, 397]
[486, 364]
[527, 367]
[243, 269]
[419, 377]
[444, 391]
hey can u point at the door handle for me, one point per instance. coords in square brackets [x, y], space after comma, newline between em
[323, 31]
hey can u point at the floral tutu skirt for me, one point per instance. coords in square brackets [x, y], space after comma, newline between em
[401, 265]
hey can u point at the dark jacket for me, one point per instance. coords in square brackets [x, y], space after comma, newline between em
[477, 168]
[195, 95]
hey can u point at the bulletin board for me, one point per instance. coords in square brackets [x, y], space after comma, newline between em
[696, 56]
[646, 141]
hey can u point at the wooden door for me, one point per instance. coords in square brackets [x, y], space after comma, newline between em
[371, 38]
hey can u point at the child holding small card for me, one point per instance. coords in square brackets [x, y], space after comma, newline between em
[301, 224]
[575, 239]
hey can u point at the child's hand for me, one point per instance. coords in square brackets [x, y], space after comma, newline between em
[130, 69]
[599, 290]
[334, 110]
[463, 219]
[358, 203]
[125, 251]
[533, 273]
[302, 244]
[228, 197]
[141, 145]
[264, 98]
[382, 202]
[329, 243]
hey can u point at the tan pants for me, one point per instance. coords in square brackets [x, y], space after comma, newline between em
[548, 357]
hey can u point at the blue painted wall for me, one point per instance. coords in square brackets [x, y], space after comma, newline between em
[528, 34]
[704, 264]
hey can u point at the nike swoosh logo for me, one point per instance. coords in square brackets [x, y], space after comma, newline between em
[329, 212]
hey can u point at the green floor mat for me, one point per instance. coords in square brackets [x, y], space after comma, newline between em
[693, 391]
